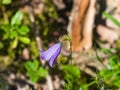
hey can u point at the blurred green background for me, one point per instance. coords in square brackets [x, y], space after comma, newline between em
[27, 26]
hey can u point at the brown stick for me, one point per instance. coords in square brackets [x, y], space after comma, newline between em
[78, 13]
[88, 26]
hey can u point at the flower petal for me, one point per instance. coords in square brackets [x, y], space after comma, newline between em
[46, 55]
[54, 57]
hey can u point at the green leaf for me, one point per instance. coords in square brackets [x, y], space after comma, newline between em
[106, 74]
[116, 81]
[24, 40]
[35, 64]
[32, 66]
[13, 34]
[6, 1]
[107, 51]
[14, 43]
[34, 78]
[6, 28]
[17, 18]
[6, 35]
[33, 72]
[114, 62]
[42, 72]
[23, 30]
[1, 45]
[115, 21]
[29, 66]
[71, 71]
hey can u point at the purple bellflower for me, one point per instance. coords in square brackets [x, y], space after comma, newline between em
[52, 53]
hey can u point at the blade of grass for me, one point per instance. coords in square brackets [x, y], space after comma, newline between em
[110, 17]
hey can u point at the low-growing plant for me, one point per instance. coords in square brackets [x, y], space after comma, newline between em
[34, 71]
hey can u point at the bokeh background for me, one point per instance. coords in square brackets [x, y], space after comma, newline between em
[27, 26]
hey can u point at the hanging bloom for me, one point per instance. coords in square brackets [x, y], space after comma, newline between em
[51, 54]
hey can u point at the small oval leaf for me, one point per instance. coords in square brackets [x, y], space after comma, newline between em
[17, 18]
[13, 34]
[23, 30]
[24, 40]
[6, 1]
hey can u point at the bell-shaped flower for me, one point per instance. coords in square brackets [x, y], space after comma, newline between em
[52, 53]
